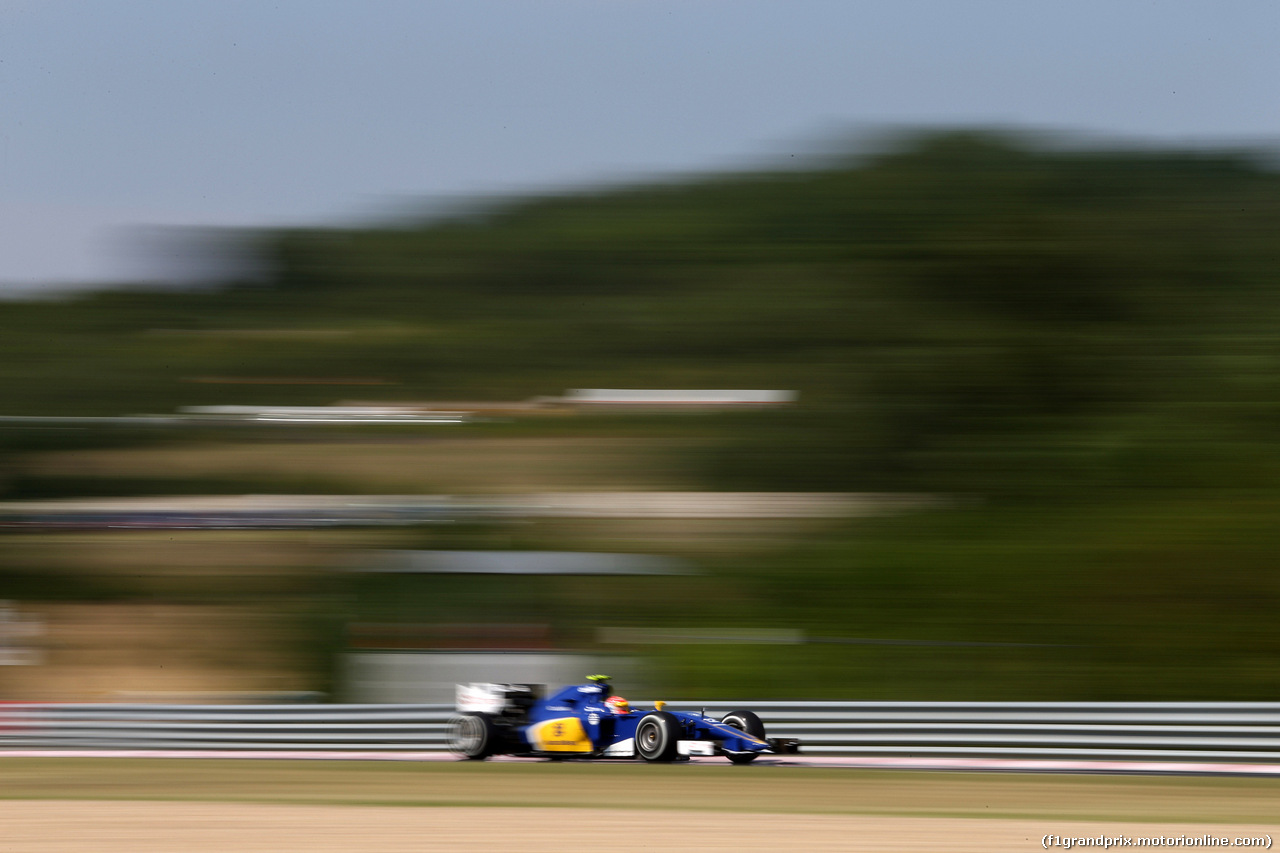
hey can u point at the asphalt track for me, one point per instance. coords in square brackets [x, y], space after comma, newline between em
[1007, 765]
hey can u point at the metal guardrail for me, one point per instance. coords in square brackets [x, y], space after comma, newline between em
[1216, 731]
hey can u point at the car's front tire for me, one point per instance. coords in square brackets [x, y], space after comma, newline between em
[656, 736]
[744, 721]
[473, 736]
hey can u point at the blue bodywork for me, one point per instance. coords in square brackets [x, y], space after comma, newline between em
[576, 722]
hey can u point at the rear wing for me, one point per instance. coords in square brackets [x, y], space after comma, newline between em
[495, 698]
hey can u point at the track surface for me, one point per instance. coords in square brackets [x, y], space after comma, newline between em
[1015, 765]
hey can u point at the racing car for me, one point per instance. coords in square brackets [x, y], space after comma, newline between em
[590, 721]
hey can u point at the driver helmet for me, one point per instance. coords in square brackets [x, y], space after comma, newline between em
[618, 705]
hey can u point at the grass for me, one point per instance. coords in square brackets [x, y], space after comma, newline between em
[698, 787]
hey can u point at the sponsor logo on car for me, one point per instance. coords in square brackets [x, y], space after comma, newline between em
[565, 734]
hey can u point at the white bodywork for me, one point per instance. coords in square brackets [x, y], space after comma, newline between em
[480, 697]
[622, 749]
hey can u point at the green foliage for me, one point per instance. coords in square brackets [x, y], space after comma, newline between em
[1168, 599]
[1046, 331]
[966, 311]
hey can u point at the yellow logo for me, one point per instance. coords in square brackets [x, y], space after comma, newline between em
[563, 735]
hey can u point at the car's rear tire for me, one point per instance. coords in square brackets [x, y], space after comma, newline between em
[656, 736]
[744, 721]
[473, 736]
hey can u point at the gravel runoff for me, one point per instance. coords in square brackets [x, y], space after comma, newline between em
[163, 827]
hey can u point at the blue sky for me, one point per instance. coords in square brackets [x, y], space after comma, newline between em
[132, 113]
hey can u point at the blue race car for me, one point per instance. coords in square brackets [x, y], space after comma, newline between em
[589, 721]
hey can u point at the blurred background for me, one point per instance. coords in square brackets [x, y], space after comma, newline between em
[610, 378]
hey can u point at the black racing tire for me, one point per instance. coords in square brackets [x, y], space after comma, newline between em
[473, 736]
[748, 722]
[656, 736]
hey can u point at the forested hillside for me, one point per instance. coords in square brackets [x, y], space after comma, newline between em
[964, 312]
[1080, 346]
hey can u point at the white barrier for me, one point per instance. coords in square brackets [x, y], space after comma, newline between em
[1186, 731]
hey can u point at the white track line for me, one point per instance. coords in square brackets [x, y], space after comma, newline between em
[1036, 765]
[1017, 765]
